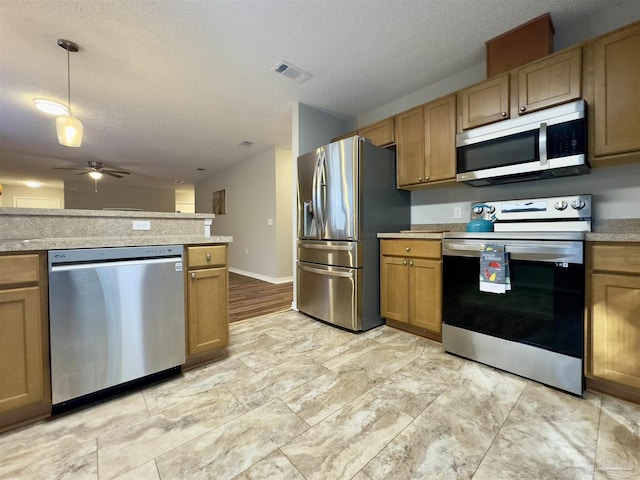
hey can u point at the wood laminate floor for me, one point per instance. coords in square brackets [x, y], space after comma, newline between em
[250, 298]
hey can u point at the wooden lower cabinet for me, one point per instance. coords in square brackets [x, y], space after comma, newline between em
[207, 302]
[411, 285]
[613, 330]
[25, 391]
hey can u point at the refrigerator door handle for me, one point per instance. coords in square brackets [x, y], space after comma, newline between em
[320, 179]
[315, 195]
[328, 273]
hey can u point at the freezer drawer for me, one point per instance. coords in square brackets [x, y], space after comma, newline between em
[332, 294]
[327, 252]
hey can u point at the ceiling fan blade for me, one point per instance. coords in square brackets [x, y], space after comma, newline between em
[121, 172]
[110, 173]
[82, 173]
[69, 168]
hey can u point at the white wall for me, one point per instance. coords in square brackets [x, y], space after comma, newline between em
[252, 200]
[615, 189]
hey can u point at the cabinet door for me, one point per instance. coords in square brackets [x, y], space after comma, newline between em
[410, 147]
[380, 134]
[617, 92]
[440, 139]
[616, 328]
[394, 289]
[425, 285]
[21, 357]
[486, 102]
[207, 310]
[550, 81]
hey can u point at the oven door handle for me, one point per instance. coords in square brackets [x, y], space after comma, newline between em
[542, 253]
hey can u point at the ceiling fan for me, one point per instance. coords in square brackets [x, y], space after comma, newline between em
[96, 168]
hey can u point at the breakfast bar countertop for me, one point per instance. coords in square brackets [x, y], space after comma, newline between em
[35, 244]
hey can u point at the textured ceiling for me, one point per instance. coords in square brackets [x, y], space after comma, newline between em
[166, 87]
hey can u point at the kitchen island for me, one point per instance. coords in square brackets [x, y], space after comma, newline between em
[26, 236]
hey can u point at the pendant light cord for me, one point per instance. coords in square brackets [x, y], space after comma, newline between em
[69, 82]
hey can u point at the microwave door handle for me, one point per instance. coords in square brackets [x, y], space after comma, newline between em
[542, 144]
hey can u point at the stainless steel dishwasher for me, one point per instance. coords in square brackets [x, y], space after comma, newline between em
[116, 315]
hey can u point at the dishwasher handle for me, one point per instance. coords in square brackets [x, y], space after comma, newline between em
[114, 263]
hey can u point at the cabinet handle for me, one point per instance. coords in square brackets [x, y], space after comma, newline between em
[406, 249]
[410, 263]
[404, 262]
[523, 109]
[426, 178]
[504, 114]
[419, 179]
[193, 275]
[208, 257]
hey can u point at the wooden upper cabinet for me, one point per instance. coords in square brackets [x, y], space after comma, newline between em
[550, 81]
[440, 139]
[410, 147]
[381, 133]
[616, 103]
[425, 143]
[485, 102]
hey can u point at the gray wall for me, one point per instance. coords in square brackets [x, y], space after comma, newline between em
[81, 194]
[10, 191]
[615, 189]
[252, 200]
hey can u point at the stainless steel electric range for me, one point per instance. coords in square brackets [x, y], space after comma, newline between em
[535, 329]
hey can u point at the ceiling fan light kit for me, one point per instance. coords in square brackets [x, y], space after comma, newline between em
[50, 107]
[69, 128]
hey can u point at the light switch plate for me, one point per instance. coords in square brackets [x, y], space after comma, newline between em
[457, 212]
[141, 225]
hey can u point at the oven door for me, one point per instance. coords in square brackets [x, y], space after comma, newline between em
[536, 329]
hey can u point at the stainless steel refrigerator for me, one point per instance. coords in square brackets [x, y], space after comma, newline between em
[346, 195]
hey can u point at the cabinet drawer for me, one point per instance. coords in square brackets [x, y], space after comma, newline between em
[16, 269]
[206, 256]
[616, 258]
[412, 248]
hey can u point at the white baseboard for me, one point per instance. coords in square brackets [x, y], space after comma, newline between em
[258, 276]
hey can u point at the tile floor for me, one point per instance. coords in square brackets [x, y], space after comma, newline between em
[297, 399]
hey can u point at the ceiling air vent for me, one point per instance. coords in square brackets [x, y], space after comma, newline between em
[246, 143]
[291, 71]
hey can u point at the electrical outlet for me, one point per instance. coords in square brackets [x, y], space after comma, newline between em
[141, 225]
[457, 212]
[269, 221]
[246, 251]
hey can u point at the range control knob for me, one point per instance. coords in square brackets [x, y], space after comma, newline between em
[560, 205]
[577, 204]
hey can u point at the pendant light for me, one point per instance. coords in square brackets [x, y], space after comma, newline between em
[69, 128]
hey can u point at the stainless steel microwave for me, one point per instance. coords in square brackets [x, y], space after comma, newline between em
[544, 144]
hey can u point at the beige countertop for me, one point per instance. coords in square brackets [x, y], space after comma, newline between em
[122, 213]
[18, 245]
[589, 237]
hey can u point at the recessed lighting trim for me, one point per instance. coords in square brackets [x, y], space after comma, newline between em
[50, 107]
[32, 184]
[178, 182]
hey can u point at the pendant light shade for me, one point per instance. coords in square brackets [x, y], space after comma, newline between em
[69, 131]
[69, 128]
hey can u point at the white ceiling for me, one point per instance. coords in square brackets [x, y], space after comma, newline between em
[166, 87]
